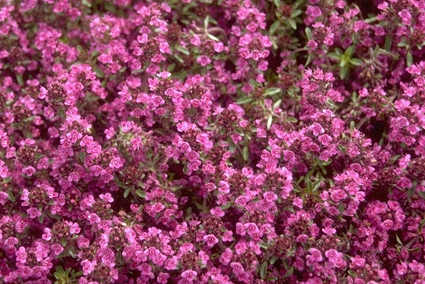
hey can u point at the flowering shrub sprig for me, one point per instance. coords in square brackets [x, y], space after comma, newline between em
[212, 141]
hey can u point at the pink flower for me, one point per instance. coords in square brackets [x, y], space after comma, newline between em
[316, 255]
[158, 207]
[21, 255]
[4, 171]
[227, 236]
[29, 171]
[404, 182]
[269, 196]
[298, 202]
[74, 229]
[203, 60]
[93, 218]
[33, 212]
[196, 41]
[217, 211]
[387, 224]
[237, 268]
[189, 275]
[357, 262]
[405, 16]
[171, 263]
[116, 163]
[107, 197]
[88, 266]
[145, 269]
[211, 240]
[56, 249]
[105, 58]
[251, 228]
[329, 231]
[47, 234]
[226, 256]
[338, 195]
[334, 256]
[163, 278]
[203, 139]
[110, 132]
[402, 268]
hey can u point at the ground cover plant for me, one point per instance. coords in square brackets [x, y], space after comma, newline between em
[212, 141]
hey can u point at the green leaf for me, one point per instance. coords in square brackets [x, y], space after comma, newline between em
[183, 50]
[403, 43]
[199, 205]
[57, 276]
[10, 196]
[309, 58]
[245, 153]
[232, 146]
[308, 33]
[322, 168]
[409, 244]
[277, 3]
[334, 56]
[356, 62]
[254, 83]
[289, 272]
[269, 122]
[98, 71]
[86, 3]
[273, 260]
[274, 27]
[127, 192]
[292, 23]
[19, 79]
[82, 156]
[277, 104]
[388, 43]
[95, 53]
[339, 51]
[409, 59]
[349, 51]
[6, 180]
[263, 270]
[398, 239]
[296, 13]
[421, 194]
[292, 119]
[344, 61]
[272, 91]
[206, 22]
[226, 206]
[309, 185]
[343, 72]
[272, 279]
[77, 274]
[80, 49]
[137, 71]
[244, 100]
[41, 218]
[59, 269]
[72, 253]
[317, 185]
[213, 37]
[140, 193]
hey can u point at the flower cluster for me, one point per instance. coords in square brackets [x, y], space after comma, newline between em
[211, 141]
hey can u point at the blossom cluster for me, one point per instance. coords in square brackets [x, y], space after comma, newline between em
[212, 141]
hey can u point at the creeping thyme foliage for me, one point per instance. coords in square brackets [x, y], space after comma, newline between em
[212, 141]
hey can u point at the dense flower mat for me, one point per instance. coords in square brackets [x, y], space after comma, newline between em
[212, 141]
